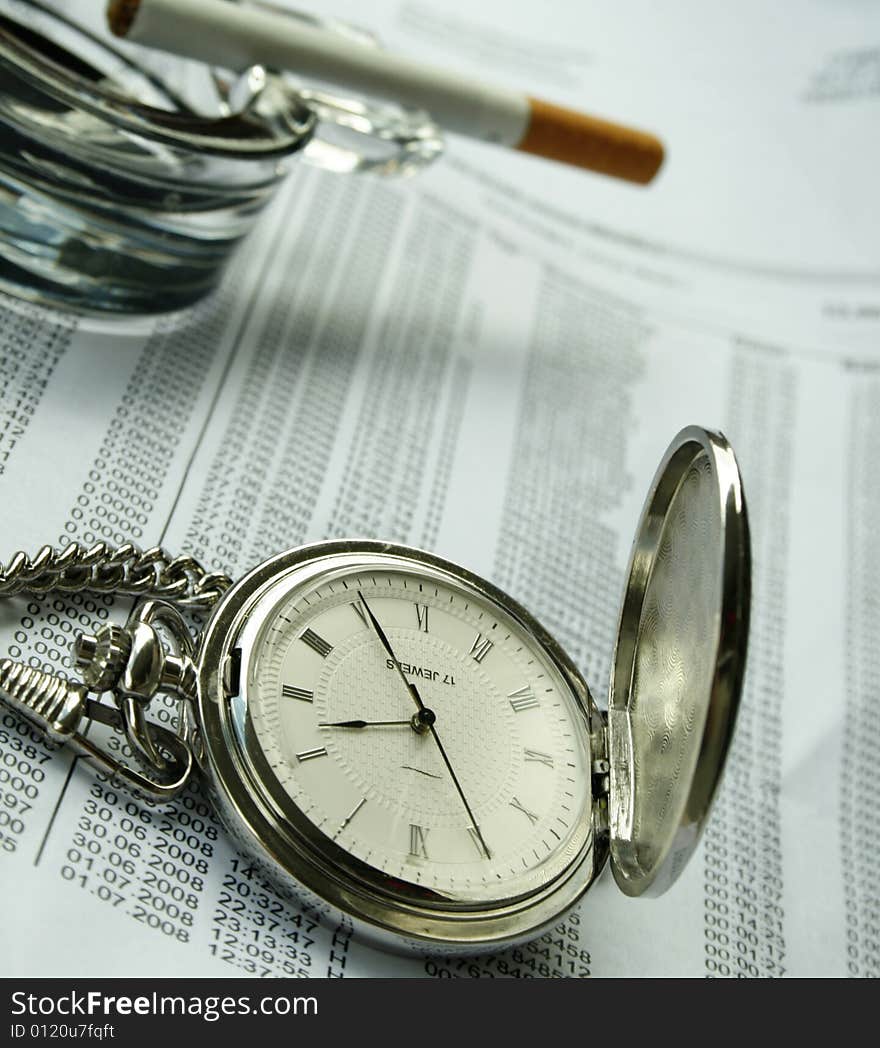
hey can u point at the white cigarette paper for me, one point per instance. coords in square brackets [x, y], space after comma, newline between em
[226, 34]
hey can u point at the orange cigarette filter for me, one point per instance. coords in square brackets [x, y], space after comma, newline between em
[586, 141]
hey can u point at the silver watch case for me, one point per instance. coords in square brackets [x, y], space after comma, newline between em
[656, 758]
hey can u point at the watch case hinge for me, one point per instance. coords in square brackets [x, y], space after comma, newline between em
[599, 764]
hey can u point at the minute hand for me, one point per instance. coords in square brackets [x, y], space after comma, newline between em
[414, 691]
[386, 644]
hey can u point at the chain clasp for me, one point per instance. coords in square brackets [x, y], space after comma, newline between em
[133, 663]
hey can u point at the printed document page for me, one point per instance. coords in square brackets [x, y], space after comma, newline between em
[488, 361]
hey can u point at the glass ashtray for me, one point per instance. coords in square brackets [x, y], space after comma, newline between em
[128, 177]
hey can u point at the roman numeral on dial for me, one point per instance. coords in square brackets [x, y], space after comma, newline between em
[418, 841]
[478, 844]
[353, 812]
[309, 755]
[317, 643]
[422, 617]
[480, 648]
[289, 692]
[530, 815]
[523, 699]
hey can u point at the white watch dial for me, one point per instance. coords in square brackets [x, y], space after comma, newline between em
[423, 730]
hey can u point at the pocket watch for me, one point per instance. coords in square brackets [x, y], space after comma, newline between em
[402, 743]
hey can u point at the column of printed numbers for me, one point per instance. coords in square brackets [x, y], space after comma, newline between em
[259, 931]
[116, 502]
[556, 552]
[24, 756]
[240, 514]
[744, 934]
[149, 863]
[24, 752]
[32, 341]
[859, 779]
[410, 368]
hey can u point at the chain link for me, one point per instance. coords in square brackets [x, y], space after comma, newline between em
[115, 569]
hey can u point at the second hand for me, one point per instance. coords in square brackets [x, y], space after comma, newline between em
[413, 690]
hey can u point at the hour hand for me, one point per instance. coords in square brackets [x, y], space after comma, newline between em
[364, 724]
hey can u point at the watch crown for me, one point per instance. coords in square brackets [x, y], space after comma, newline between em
[102, 657]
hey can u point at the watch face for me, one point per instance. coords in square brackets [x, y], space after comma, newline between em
[424, 737]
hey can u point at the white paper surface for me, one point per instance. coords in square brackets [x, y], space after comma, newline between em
[489, 361]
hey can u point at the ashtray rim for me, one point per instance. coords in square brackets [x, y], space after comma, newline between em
[250, 134]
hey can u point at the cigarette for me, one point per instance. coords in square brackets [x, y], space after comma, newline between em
[225, 34]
